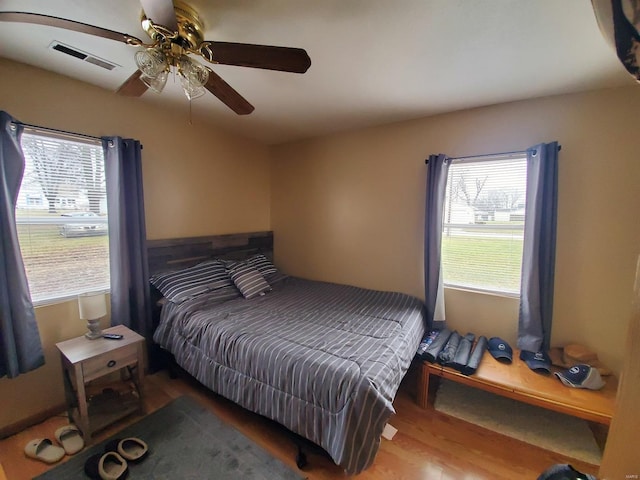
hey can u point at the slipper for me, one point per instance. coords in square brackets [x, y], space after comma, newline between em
[44, 450]
[70, 438]
[106, 466]
[131, 449]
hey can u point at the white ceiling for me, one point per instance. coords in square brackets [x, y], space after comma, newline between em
[373, 61]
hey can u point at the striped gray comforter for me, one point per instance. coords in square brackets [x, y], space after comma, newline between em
[322, 359]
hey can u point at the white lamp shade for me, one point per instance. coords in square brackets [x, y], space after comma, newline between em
[92, 306]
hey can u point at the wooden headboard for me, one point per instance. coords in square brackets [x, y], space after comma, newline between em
[176, 253]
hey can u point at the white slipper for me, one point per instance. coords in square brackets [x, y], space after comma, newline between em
[70, 438]
[44, 450]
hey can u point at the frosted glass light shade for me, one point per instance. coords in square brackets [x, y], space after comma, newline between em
[151, 61]
[193, 77]
[157, 83]
[92, 306]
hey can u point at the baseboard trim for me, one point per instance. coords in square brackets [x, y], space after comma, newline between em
[39, 417]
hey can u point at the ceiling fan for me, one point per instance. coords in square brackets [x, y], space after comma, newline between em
[176, 31]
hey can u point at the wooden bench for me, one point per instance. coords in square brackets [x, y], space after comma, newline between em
[520, 383]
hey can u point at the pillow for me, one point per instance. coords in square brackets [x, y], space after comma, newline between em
[262, 264]
[220, 295]
[230, 264]
[249, 280]
[181, 285]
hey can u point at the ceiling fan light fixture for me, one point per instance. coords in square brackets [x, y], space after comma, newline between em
[157, 83]
[151, 61]
[193, 77]
[192, 91]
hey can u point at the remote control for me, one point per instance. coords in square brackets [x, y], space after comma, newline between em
[112, 336]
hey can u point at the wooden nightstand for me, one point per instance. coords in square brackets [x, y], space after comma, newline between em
[85, 360]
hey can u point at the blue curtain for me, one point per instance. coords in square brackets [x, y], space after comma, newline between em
[539, 248]
[438, 168]
[130, 295]
[21, 349]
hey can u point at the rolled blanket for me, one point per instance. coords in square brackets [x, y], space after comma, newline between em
[449, 351]
[476, 357]
[463, 352]
[432, 352]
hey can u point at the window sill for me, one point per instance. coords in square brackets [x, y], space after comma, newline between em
[67, 298]
[493, 293]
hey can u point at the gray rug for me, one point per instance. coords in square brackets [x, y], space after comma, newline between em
[186, 442]
[550, 430]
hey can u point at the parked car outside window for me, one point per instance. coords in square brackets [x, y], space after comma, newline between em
[82, 229]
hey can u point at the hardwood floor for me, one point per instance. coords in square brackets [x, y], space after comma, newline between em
[428, 446]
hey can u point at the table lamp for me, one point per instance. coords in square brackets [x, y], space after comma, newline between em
[92, 307]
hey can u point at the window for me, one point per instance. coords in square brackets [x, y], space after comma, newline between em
[483, 224]
[61, 216]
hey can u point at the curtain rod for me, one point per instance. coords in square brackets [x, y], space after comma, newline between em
[55, 130]
[516, 152]
[61, 132]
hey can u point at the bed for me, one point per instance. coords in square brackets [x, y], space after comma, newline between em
[322, 359]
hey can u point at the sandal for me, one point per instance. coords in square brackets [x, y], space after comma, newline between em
[106, 466]
[131, 449]
[44, 450]
[70, 438]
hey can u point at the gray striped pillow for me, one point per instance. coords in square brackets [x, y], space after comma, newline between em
[181, 285]
[217, 296]
[249, 280]
[262, 264]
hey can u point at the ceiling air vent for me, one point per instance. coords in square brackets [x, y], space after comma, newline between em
[84, 56]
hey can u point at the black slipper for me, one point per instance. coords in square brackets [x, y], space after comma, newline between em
[132, 449]
[106, 466]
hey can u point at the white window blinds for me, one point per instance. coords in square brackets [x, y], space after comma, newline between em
[484, 216]
[61, 215]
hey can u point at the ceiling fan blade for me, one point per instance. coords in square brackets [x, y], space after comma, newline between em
[133, 86]
[227, 95]
[161, 12]
[38, 19]
[284, 59]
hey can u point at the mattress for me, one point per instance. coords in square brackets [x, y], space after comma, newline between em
[322, 359]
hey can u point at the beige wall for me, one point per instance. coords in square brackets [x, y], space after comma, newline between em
[350, 208]
[190, 172]
[620, 459]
